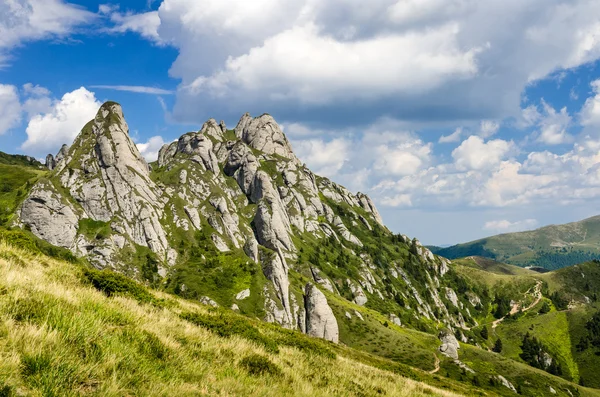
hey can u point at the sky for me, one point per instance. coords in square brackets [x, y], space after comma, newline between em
[460, 118]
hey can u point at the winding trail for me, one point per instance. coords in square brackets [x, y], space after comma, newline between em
[515, 308]
[437, 364]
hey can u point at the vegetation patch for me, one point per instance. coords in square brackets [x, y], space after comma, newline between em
[94, 230]
[226, 325]
[111, 283]
[258, 365]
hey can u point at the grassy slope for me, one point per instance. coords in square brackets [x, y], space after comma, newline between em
[15, 182]
[60, 336]
[559, 331]
[550, 247]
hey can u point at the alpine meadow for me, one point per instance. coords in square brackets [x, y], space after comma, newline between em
[160, 235]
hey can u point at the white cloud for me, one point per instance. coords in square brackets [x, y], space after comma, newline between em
[488, 128]
[28, 20]
[145, 24]
[10, 108]
[324, 158]
[454, 137]
[590, 113]
[553, 125]
[529, 116]
[135, 88]
[46, 132]
[475, 154]
[401, 58]
[505, 226]
[412, 63]
[149, 149]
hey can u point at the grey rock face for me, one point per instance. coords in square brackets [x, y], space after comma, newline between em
[50, 162]
[449, 345]
[109, 183]
[264, 134]
[507, 384]
[320, 321]
[49, 216]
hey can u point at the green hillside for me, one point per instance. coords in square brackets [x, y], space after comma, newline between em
[551, 247]
[562, 321]
[67, 330]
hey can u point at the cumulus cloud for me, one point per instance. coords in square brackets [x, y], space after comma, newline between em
[590, 113]
[46, 132]
[324, 158]
[403, 58]
[10, 108]
[29, 20]
[505, 226]
[454, 137]
[149, 149]
[488, 128]
[146, 24]
[553, 125]
[475, 154]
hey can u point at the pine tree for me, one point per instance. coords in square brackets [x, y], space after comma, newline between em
[497, 346]
[484, 333]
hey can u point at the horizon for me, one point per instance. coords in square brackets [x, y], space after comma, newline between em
[457, 128]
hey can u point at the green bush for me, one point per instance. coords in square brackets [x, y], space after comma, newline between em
[305, 343]
[226, 325]
[258, 365]
[28, 242]
[112, 283]
[6, 391]
[94, 230]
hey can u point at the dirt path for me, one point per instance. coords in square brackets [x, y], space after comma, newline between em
[537, 292]
[437, 364]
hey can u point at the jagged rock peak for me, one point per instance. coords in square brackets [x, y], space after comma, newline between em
[52, 161]
[264, 134]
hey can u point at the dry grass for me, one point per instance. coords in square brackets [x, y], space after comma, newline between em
[61, 337]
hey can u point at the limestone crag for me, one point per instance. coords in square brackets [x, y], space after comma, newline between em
[320, 321]
[231, 194]
[108, 181]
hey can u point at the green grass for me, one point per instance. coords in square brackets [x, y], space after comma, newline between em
[94, 230]
[59, 335]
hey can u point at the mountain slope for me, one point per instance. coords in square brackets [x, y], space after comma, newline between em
[54, 341]
[550, 247]
[231, 218]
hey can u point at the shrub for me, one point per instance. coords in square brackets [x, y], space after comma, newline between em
[226, 325]
[6, 391]
[258, 365]
[112, 283]
[304, 343]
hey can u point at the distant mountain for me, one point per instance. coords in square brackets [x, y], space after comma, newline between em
[550, 247]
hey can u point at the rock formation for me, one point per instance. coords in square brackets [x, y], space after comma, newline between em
[320, 321]
[240, 192]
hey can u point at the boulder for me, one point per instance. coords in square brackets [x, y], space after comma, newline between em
[320, 321]
[449, 345]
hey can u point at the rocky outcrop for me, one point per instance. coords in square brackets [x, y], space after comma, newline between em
[320, 321]
[108, 181]
[234, 193]
[49, 216]
[449, 345]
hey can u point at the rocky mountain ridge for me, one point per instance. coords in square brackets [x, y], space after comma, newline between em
[237, 196]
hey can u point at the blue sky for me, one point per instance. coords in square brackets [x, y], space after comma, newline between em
[458, 126]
